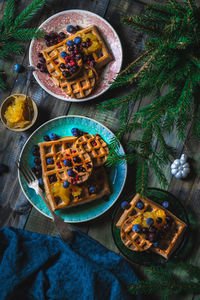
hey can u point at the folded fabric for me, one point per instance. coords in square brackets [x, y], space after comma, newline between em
[37, 266]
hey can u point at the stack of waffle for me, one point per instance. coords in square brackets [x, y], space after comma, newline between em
[72, 177]
[81, 82]
[168, 234]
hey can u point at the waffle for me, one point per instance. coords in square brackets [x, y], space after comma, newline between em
[82, 85]
[131, 239]
[97, 179]
[96, 147]
[168, 242]
[78, 164]
[100, 55]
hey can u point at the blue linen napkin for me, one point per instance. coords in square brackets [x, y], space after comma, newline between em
[38, 266]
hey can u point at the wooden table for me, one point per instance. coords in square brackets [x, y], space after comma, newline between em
[15, 209]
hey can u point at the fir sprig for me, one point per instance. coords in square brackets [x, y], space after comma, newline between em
[164, 279]
[168, 72]
[13, 30]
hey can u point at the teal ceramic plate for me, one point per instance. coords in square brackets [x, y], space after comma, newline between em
[148, 257]
[62, 127]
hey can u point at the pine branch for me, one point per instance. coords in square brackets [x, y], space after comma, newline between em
[28, 13]
[9, 13]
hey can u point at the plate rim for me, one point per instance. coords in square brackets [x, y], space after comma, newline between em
[35, 73]
[164, 260]
[64, 117]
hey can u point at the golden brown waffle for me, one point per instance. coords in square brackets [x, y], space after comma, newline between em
[101, 55]
[98, 179]
[96, 147]
[82, 85]
[131, 239]
[73, 166]
[170, 239]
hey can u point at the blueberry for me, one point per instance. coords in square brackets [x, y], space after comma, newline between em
[18, 68]
[140, 205]
[92, 190]
[53, 35]
[155, 244]
[46, 138]
[71, 173]
[76, 132]
[50, 161]
[65, 184]
[53, 136]
[68, 162]
[137, 228]
[3, 168]
[150, 221]
[63, 54]
[77, 40]
[165, 204]
[125, 205]
[40, 181]
[70, 43]
[71, 28]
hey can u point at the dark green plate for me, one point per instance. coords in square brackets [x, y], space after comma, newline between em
[150, 258]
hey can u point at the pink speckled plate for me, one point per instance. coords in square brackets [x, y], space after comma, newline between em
[83, 18]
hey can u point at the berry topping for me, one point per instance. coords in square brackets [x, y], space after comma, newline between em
[52, 178]
[62, 35]
[68, 162]
[70, 43]
[152, 237]
[63, 54]
[152, 229]
[50, 161]
[140, 205]
[137, 228]
[92, 190]
[93, 143]
[77, 159]
[150, 221]
[40, 181]
[39, 65]
[76, 132]
[36, 148]
[168, 219]
[71, 29]
[77, 40]
[125, 205]
[71, 173]
[62, 66]
[53, 136]
[159, 220]
[84, 45]
[144, 230]
[66, 73]
[46, 138]
[165, 204]
[36, 153]
[37, 161]
[65, 184]
[18, 68]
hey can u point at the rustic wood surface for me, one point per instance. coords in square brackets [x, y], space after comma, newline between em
[15, 209]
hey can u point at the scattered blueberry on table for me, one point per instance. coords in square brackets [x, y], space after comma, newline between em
[18, 68]
[53, 136]
[165, 204]
[92, 190]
